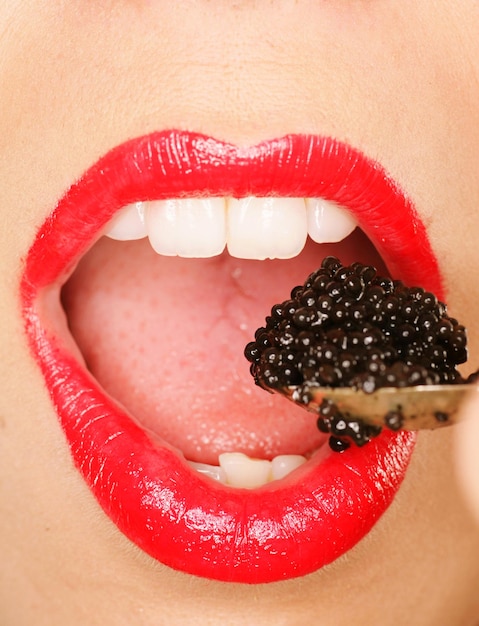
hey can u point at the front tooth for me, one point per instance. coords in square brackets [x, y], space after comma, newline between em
[282, 465]
[187, 227]
[262, 228]
[128, 223]
[328, 222]
[241, 471]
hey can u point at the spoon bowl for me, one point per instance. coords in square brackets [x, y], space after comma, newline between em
[424, 407]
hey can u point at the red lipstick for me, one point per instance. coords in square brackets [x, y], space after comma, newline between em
[287, 528]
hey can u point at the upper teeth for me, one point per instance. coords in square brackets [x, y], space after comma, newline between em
[251, 228]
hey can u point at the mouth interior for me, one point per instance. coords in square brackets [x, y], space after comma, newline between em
[165, 337]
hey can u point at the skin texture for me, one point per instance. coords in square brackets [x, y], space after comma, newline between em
[467, 460]
[400, 82]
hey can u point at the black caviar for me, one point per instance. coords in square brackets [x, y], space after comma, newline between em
[349, 327]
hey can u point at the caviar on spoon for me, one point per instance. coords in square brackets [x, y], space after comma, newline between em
[363, 352]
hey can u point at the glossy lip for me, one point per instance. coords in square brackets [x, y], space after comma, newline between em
[188, 522]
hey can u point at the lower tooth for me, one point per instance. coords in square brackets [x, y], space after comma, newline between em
[241, 471]
[212, 471]
[283, 465]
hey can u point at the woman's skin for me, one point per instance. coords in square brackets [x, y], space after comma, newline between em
[397, 80]
[466, 454]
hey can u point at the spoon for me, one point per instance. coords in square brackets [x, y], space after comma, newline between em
[406, 408]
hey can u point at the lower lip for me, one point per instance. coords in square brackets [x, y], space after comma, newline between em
[285, 529]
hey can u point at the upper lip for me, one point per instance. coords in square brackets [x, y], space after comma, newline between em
[165, 165]
[282, 530]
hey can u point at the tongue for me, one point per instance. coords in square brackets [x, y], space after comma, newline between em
[165, 337]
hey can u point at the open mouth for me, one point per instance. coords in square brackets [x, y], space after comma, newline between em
[142, 351]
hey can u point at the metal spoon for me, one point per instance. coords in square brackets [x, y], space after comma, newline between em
[407, 408]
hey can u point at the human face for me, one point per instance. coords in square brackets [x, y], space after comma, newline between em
[399, 86]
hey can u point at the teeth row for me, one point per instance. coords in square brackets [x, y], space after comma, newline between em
[251, 228]
[239, 470]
